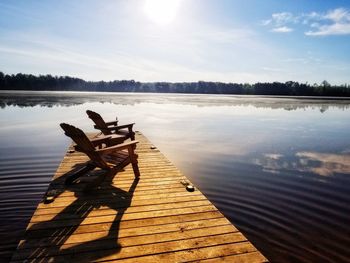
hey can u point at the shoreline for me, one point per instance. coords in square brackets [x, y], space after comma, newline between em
[176, 93]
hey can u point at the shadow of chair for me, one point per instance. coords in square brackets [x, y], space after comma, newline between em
[112, 127]
[45, 241]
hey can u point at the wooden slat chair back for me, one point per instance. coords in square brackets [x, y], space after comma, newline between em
[112, 127]
[83, 144]
[99, 122]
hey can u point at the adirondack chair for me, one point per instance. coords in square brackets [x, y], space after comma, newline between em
[102, 154]
[112, 127]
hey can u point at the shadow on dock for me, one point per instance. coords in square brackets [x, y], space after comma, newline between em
[46, 239]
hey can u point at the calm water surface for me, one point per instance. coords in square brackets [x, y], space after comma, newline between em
[278, 168]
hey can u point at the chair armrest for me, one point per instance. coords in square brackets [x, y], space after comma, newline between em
[99, 140]
[112, 123]
[129, 126]
[116, 128]
[95, 142]
[117, 147]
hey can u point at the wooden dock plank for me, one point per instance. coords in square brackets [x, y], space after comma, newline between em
[77, 237]
[183, 220]
[104, 241]
[93, 253]
[151, 219]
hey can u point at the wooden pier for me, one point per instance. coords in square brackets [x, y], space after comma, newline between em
[151, 219]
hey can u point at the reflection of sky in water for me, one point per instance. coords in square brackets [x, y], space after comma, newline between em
[261, 160]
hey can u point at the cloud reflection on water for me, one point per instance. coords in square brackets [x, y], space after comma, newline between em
[323, 164]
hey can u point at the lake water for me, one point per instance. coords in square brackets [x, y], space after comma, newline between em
[278, 168]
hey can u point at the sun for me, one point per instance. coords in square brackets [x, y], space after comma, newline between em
[161, 12]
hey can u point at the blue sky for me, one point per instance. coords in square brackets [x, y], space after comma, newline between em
[182, 40]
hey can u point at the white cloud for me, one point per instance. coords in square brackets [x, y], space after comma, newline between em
[333, 22]
[279, 20]
[310, 17]
[338, 15]
[327, 30]
[283, 18]
[282, 29]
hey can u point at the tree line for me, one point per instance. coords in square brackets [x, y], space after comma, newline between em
[58, 83]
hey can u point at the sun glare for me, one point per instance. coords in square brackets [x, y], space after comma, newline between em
[161, 12]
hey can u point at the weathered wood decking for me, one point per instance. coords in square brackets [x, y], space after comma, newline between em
[153, 219]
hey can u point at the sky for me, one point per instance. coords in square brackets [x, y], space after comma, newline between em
[178, 40]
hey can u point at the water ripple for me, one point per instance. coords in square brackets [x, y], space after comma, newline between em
[23, 180]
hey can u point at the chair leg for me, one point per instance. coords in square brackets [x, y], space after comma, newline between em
[133, 160]
[135, 167]
[132, 135]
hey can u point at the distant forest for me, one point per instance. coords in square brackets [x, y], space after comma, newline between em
[55, 83]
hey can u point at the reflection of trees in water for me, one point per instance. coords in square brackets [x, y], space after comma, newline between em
[49, 99]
